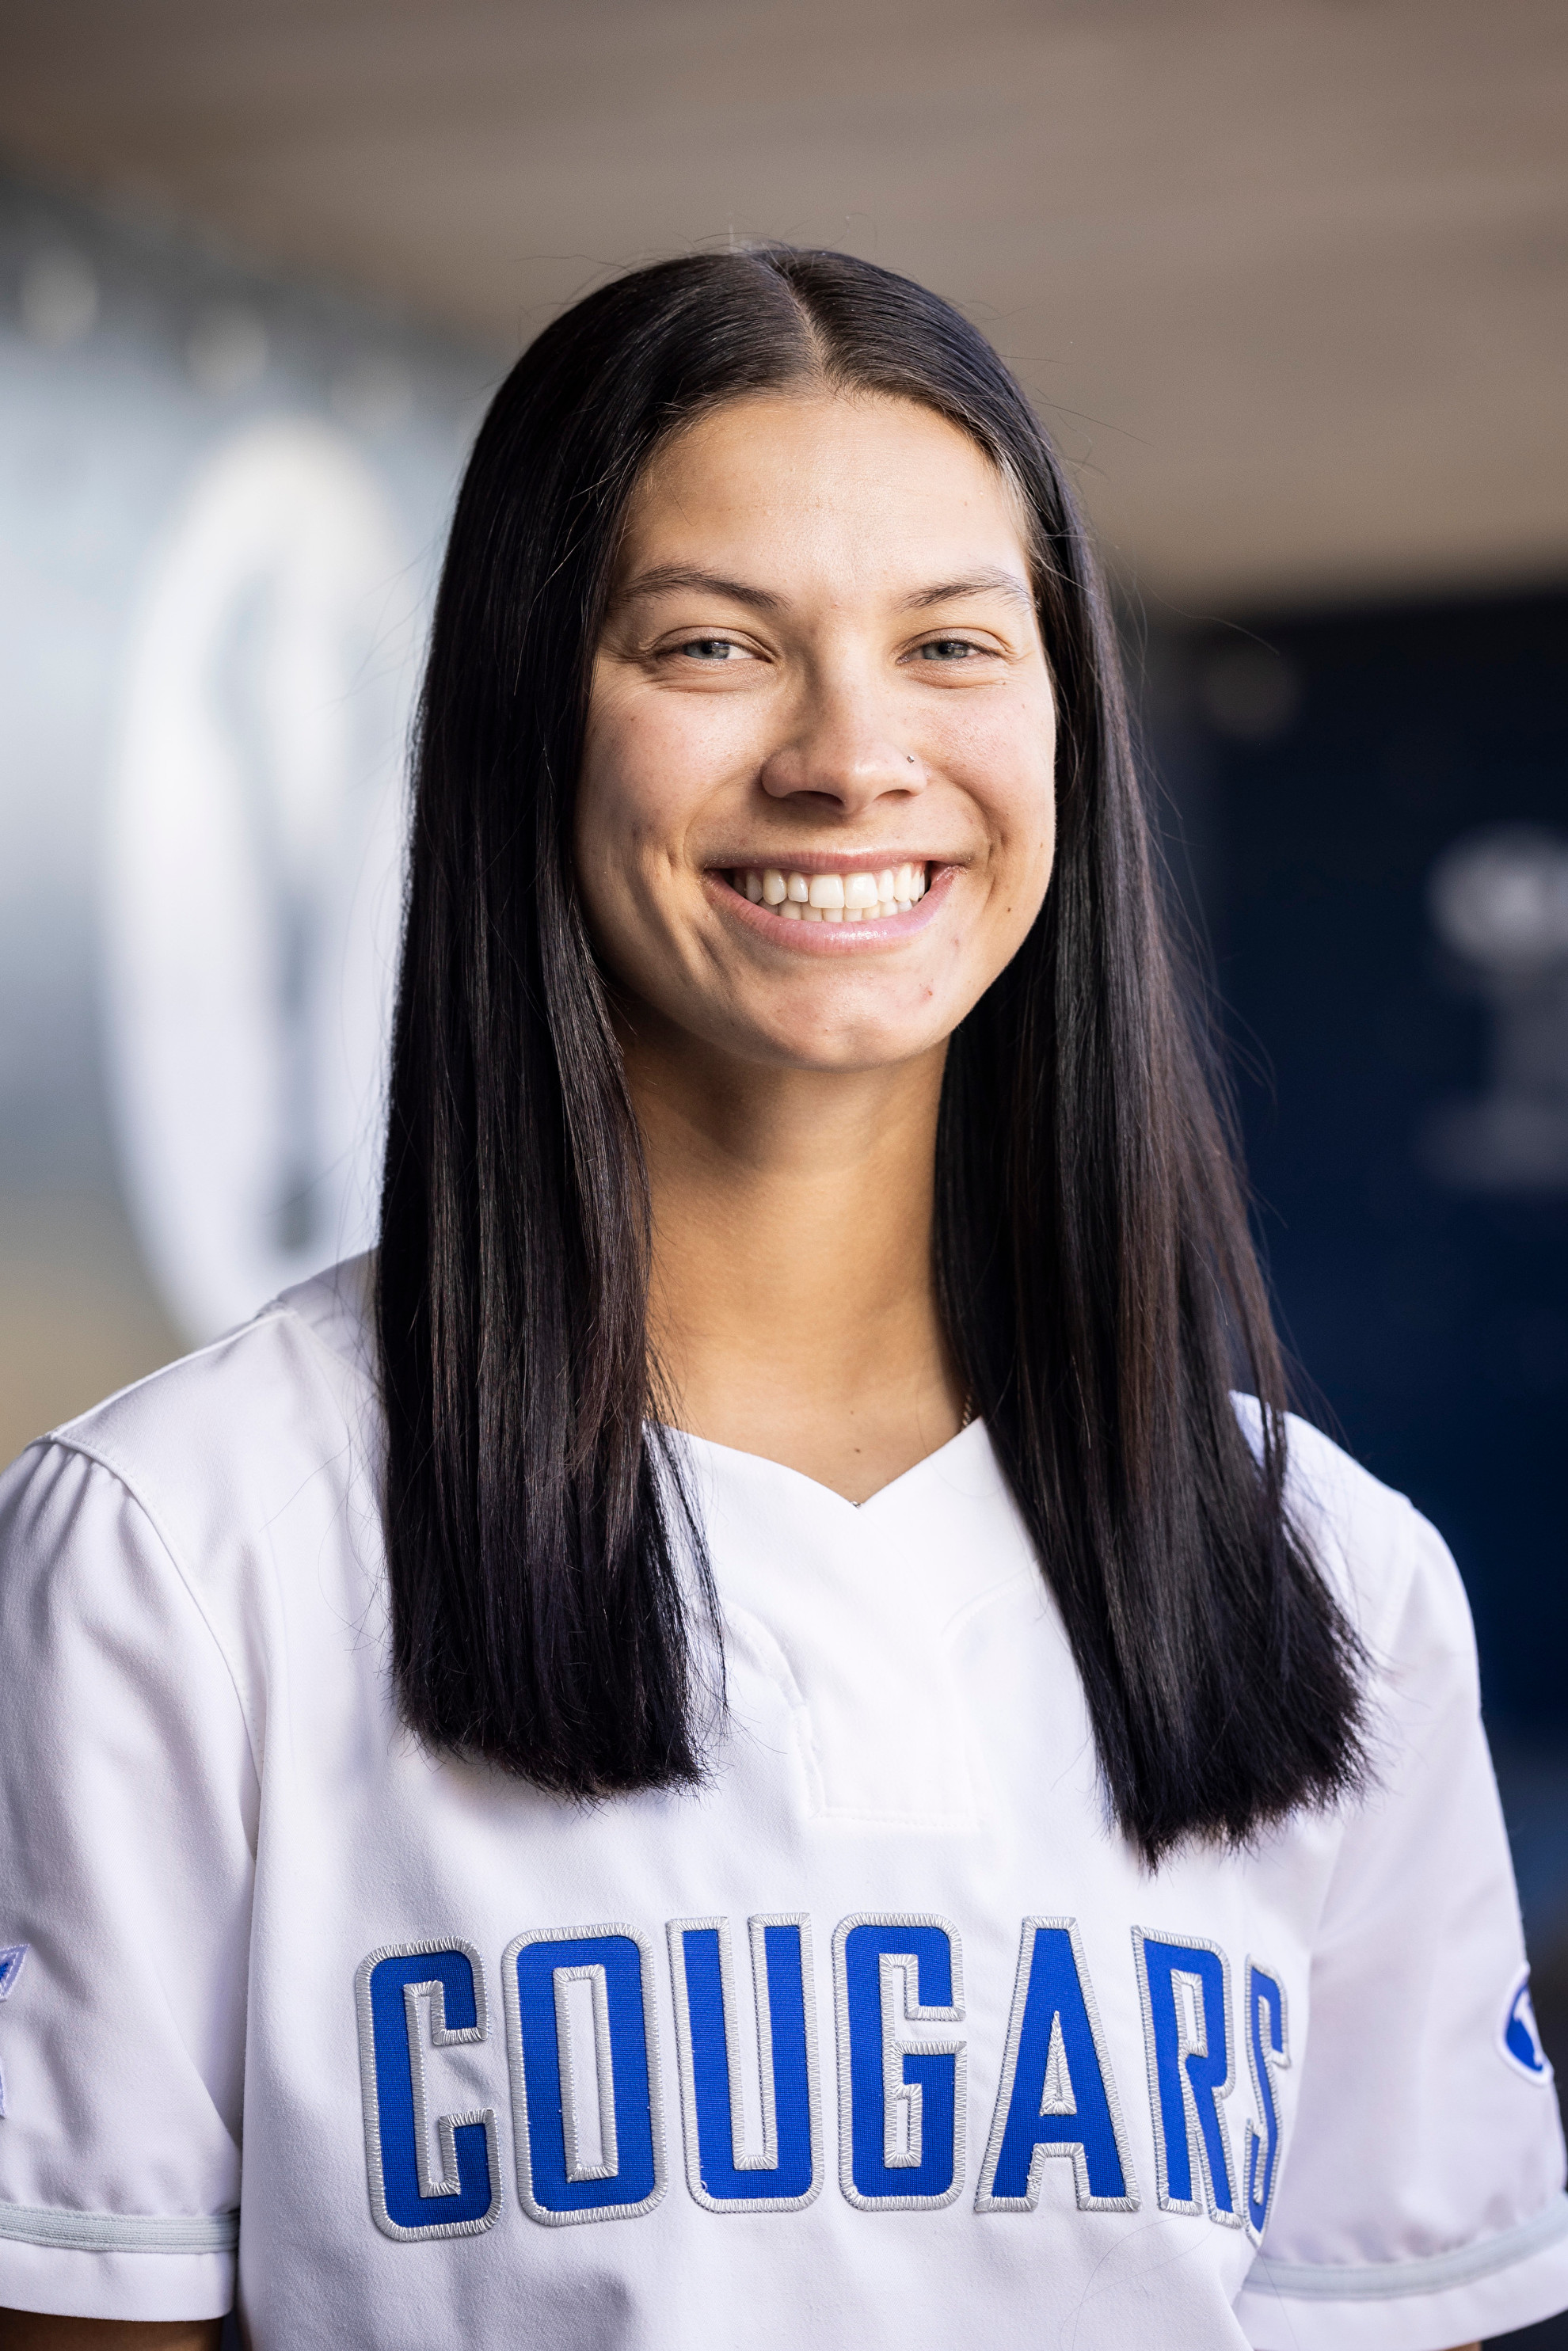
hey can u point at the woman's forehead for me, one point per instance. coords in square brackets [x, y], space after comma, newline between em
[865, 483]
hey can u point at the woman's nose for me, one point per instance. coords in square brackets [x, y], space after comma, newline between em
[844, 751]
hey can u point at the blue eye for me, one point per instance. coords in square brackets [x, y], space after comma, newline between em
[947, 648]
[709, 648]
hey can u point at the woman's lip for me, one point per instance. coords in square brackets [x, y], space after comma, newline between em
[863, 860]
[830, 938]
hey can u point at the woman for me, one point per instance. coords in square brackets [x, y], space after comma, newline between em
[749, 1678]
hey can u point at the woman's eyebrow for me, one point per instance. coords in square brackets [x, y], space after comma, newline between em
[662, 577]
[993, 581]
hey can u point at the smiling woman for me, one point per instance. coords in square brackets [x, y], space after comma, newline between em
[815, 822]
[894, 1701]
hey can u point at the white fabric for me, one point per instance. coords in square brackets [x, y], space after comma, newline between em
[209, 1818]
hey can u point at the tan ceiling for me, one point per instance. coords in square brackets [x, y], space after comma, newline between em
[1291, 276]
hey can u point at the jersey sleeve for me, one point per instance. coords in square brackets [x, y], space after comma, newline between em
[1420, 2205]
[127, 1809]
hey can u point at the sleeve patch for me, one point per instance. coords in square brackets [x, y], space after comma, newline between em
[1519, 2039]
[11, 1959]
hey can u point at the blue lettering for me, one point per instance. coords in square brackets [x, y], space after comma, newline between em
[1267, 2047]
[900, 2102]
[1058, 2094]
[722, 2174]
[429, 2176]
[1187, 2005]
[585, 2088]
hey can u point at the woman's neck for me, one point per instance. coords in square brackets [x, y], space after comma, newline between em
[791, 1307]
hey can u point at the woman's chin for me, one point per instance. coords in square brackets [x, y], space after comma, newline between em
[828, 1048]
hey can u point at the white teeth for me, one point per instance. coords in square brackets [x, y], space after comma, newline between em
[833, 897]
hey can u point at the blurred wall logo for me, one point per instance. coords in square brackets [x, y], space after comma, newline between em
[1499, 902]
[252, 870]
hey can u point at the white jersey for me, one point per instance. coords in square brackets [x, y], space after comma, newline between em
[885, 2038]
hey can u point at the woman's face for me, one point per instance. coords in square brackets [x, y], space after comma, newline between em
[816, 815]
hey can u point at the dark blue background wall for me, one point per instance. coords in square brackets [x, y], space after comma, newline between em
[1335, 761]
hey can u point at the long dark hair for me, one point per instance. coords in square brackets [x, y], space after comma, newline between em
[552, 1609]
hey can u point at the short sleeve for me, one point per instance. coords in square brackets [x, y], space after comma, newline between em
[128, 1807]
[1420, 2204]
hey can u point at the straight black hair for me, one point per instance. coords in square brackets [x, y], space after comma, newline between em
[552, 1610]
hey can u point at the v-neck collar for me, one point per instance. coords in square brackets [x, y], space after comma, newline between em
[956, 1451]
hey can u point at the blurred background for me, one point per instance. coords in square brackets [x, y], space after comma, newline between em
[1290, 280]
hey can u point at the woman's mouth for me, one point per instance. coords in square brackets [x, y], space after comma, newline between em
[857, 895]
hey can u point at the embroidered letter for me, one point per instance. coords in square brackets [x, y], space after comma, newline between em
[1186, 1991]
[583, 2047]
[438, 2178]
[1268, 2046]
[1057, 2094]
[901, 2103]
[722, 2174]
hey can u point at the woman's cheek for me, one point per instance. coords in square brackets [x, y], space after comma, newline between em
[667, 760]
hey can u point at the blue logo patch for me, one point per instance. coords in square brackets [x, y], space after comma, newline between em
[11, 1959]
[1519, 2037]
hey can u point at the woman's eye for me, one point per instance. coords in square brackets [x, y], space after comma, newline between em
[949, 649]
[708, 649]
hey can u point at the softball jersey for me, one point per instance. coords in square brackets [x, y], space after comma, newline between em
[885, 2037]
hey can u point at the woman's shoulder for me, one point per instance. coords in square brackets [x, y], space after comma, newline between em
[230, 1431]
[1388, 1563]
